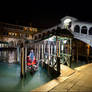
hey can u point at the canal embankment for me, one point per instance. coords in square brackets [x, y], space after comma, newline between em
[79, 80]
[66, 72]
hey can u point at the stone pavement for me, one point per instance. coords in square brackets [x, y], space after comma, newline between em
[78, 80]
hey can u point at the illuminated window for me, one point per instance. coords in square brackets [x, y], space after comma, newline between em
[31, 29]
[10, 33]
[25, 28]
[13, 34]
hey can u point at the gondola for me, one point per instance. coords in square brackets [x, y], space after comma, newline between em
[32, 66]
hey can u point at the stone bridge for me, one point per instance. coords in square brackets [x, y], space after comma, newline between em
[81, 30]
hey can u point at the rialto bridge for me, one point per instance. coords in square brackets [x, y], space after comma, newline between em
[81, 30]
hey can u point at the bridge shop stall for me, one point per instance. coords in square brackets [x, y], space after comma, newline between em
[54, 49]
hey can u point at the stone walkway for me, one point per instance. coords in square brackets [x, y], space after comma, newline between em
[78, 80]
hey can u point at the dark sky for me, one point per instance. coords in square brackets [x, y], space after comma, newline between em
[44, 14]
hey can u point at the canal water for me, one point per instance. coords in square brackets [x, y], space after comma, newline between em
[10, 78]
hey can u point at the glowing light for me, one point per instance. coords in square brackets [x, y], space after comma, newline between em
[67, 21]
[51, 38]
[62, 47]
[64, 41]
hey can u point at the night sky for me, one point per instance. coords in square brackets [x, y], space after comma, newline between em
[44, 14]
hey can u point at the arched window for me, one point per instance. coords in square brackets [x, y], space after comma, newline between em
[39, 35]
[35, 37]
[84, 30]
[53, 31]
[90, 31]
[48, 32]
[77, 29]
[43, 35]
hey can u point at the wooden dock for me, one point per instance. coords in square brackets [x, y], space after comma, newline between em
[78, 80]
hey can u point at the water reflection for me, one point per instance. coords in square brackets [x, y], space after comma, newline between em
[10, 80]
[9, 56]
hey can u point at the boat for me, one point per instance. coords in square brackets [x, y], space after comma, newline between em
[32, 66]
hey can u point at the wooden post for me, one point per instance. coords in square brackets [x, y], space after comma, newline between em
[51, 49]
[25, 60]
[58, 58]
[56, 46]
[22, 63]
[59, 48]
[58, 64]
[88, 47]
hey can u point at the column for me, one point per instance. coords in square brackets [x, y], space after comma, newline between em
[87, 30]
[49, 51]
[18, 54]
[42, 52]
[70, 51]
[70, 45]
[56, 46]
[39, 51]
[80, 30]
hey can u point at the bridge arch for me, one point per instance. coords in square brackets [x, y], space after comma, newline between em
[90, 31]
[84, 29]
[77, 28]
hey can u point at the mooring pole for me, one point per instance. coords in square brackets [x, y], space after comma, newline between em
[22, 63]
[23, 60]
[58, 58]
